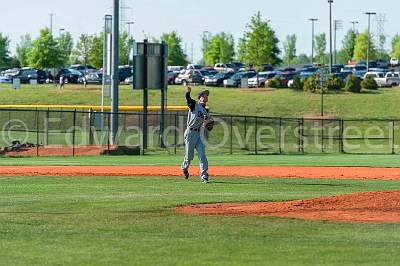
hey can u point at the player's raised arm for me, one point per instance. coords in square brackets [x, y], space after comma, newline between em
[190, 102]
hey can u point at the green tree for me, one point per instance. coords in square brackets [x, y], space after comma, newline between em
[289, 48]
[66, 44]
[45, 52]
[176, 55]
[259, 44]
[349, 42]
[396, 46]
[23, 48]
[221, 49]
[124, 51]
[95, 57]
[360, 49]
[320, 48]
[302, 59]
[4, 51]
[82, 50]
[395, 40]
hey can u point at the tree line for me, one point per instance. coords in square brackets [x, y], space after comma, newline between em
[259, 45]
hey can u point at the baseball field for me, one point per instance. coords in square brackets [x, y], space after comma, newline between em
[257, 210]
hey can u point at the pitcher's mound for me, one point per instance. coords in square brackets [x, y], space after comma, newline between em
[369, 207]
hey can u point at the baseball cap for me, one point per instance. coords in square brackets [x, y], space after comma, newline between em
[205, 92]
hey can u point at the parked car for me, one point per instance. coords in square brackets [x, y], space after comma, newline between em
[394, 62]
[194, 67]
[381, 63]
[189, 77]
[83, 69]
[236, 79]
[390, 79]
[221, 67]
[171, 77]
[129, 80]
[260, 79]
[125, 72]
[285, 69]
[25, 74]
[267, 67]
[285, 77]
[175, 69]
[218, 79]
[5, 79]
[94, 78]
[71, 75]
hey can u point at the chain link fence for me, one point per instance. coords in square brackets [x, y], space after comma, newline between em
[231, 134]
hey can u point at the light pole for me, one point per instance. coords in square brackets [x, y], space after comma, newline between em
[338, 25]
[330, 36]
[51, 23]
[313, 20]
[369, 14]
[130, 23]
[115, 74]
[60, 32]
[354, 25]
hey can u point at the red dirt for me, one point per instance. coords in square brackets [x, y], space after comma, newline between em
[215, 171]
[376, 207]
[369, 207]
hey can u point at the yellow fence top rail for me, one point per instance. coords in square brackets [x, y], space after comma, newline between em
[93, 107]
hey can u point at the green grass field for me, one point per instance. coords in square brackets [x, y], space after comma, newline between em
[131, 221]
[277, 103]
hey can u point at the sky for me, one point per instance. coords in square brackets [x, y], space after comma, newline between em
[190, 18]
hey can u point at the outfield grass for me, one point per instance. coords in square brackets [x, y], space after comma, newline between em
[130, 221]
[276, 103]
[218, 160]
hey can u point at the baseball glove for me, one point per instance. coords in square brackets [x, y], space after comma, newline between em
[209, 124]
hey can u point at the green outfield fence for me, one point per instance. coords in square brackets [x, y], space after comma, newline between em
[231, 135]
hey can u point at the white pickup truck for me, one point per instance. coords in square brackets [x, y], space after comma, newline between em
[389, 79]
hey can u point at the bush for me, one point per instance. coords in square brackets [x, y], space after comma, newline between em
[369, 83]
[275, 83]
[297, 84]
[313, 84]
[353, 84]
[334, 83]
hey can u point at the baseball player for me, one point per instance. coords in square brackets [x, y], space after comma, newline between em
[198, 118]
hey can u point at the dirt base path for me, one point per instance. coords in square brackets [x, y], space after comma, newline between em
[370, 207]
[215, 171]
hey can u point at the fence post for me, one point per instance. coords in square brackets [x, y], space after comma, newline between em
[73, 135]
[176, 132]
[280, 135]
[108, 133]
[231, 145]
[322, 135]
[37, 132]
[393, 139]
[256, 136]
[91, 126]
[342, 136]
[245, 132]
[299, 133]
[46, 128]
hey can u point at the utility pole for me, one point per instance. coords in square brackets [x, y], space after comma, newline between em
[330, 36]
[354, 25]
[369, 14]
[313, 20]
[51, 23]
[130, 23]
[60, 31]
[338, 25]
[115, 74]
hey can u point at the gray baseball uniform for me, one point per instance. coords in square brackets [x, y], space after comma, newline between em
[193, 140]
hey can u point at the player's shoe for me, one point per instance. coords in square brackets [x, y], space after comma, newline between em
[204, 180]
[186, 174]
